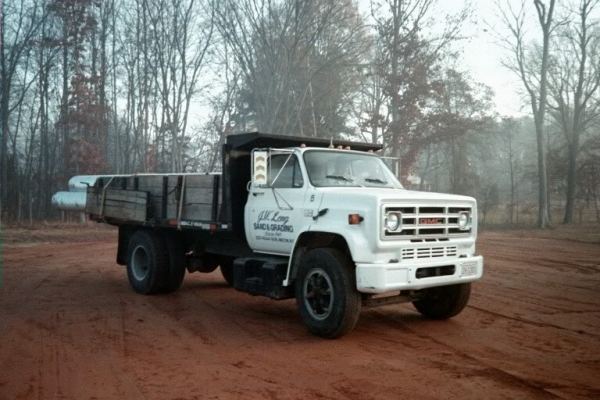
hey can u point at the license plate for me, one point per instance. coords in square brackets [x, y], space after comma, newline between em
[469, 268]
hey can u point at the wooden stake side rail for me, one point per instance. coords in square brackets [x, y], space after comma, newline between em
[185, 200]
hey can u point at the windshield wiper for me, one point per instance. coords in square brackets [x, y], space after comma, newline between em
[375, 180]
[339, 178]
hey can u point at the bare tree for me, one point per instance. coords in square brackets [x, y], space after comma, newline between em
[225, 109]
[574, 80]
[588, 175]
[508, 127]
[297, 60]
[19, 23]
[134, 57]
[181, 37]
[532, 68]
[464, 109]
[410, 68]
[369, 110]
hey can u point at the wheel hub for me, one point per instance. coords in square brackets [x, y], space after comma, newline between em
[140, 263]
[318, 294]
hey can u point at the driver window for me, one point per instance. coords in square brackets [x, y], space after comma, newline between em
[290, 176]
[366, 169]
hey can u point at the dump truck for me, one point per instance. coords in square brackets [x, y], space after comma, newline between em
[325, 222]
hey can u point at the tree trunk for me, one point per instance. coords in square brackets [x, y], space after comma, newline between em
[395, 100]
[4, 95]
[64, 103]
[425, 171]
[573, 149]
[543, 214]
[546, 22]
[512, 181]
[597, 207]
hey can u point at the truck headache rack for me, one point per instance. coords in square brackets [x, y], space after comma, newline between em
[253, 140]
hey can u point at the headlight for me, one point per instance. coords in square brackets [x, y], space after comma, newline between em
[464, 220]
[392, 221]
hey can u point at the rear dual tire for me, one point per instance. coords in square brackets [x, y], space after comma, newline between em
[155, 262]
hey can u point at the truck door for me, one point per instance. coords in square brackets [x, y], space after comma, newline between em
[274, 212]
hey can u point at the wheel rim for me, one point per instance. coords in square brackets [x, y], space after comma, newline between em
[318, 294]
[140, 263]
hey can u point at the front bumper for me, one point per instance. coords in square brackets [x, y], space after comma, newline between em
[381, 278]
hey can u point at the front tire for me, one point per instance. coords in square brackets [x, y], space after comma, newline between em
[147, 262]
[326, 294]
[443, 302]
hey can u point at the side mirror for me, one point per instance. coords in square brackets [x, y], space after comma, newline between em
[259, 167]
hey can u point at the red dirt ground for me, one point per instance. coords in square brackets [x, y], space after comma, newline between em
[71, 328]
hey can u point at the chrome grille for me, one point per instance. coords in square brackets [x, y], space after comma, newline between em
[428, 252]
[428, 221]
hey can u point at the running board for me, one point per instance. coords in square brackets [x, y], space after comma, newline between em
[262, 276]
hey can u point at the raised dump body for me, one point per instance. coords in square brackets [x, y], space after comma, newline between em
[157, 199]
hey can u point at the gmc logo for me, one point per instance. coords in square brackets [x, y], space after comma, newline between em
[430, 221]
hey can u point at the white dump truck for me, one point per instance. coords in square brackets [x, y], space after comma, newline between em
[295, 218]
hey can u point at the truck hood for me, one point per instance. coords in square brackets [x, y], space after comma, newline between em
[395, 195]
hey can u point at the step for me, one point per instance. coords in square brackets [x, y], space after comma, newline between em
[262, 276]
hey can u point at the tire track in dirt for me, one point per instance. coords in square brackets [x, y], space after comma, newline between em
[538, 324]
[463, 364]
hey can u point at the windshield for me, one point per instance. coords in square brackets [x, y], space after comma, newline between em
[339, 168]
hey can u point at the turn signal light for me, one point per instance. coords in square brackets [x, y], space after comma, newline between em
[355, 219]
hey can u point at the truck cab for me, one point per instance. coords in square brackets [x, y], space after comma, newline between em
[397, 240]
[349, 208]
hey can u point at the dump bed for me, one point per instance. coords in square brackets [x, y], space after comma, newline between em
[157, 200]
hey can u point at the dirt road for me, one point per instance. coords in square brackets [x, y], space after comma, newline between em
[71, 328]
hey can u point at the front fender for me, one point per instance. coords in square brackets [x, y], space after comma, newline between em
[353, 239]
